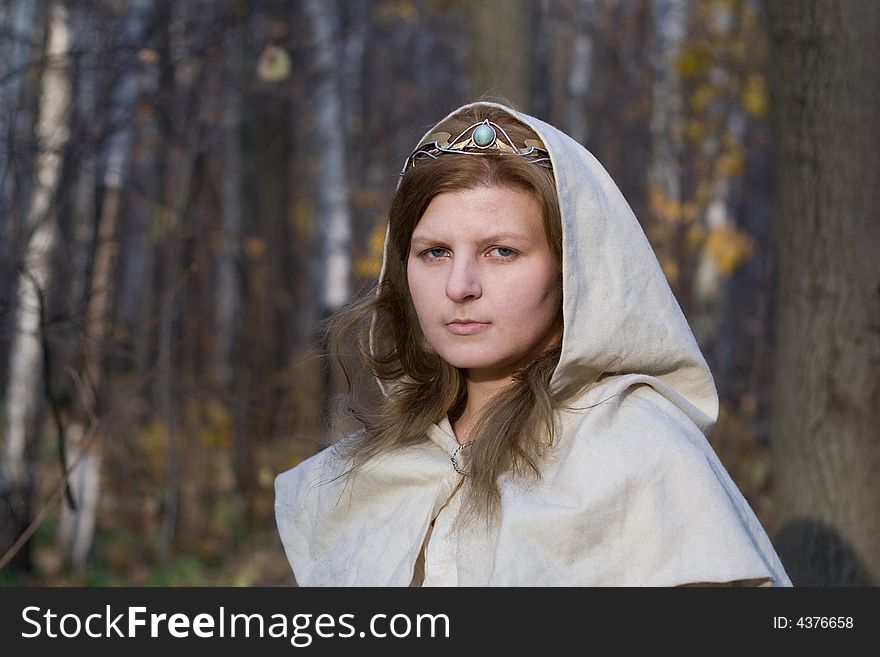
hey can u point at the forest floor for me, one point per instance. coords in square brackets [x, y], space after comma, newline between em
[260, 562]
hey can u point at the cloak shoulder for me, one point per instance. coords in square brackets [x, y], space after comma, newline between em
[365, 530]
[635, 496]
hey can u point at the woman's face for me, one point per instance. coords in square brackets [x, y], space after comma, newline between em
[484, 282]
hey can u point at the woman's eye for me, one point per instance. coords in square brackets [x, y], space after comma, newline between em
[435, 253]
[504, 252]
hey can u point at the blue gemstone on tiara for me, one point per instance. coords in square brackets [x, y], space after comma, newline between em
[483, 138]
[484, 135]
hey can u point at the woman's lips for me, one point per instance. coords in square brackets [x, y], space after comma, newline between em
[467, 328]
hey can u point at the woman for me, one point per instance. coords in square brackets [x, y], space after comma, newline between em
[544, 403]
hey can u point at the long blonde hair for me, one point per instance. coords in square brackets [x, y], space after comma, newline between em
[514, 431]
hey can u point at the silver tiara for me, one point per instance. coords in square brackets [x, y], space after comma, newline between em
[482, 139]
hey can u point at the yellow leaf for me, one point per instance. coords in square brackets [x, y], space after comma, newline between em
[370, 265]
[754, 95]
[274, 64]
[695, 235]
[731, 163]
[693, 60]
[664, 206]
[690, 210]
[703, 95]
[728, 247]
[265, 477]
[670, 269]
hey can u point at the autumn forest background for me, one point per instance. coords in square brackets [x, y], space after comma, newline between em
[187, 188]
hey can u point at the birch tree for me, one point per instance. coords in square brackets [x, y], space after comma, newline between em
[26, 351]
[667, 116]
[20, 28]
[580, 71]
[17, 24]
[76, 529]
[81, 460]
[333, 216]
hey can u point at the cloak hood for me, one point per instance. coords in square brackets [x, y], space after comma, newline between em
[633, 493]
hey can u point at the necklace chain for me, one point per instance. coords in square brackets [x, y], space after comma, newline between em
[454, 458]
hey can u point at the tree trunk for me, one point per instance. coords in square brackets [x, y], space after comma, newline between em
[710, 283]
[75, 526]
[76, 529]
[18, 26]
[823, 74]
[332, 180]
[228, 300]
[228, 292]
[667, 112]
[181, 144]
[580, 72]
[16, 130]
[26, 351]
[77, 532]
[710, 279]
[137, 299]
[501, 50]
[333, 213]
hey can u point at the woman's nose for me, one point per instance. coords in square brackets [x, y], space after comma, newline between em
[464, 280]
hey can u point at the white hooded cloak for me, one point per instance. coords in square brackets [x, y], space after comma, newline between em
[632, 494]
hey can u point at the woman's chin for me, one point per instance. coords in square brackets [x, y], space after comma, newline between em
[481, 369]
